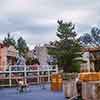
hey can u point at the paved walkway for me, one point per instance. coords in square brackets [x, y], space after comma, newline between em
[34, 93]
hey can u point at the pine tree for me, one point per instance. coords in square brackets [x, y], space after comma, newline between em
[22, 46]
[9, 41]
[67, 48]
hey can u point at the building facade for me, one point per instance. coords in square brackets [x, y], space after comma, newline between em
[41, 53]
[7, 56]
[92, 58]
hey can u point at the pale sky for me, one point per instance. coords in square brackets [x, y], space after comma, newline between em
[36, 20]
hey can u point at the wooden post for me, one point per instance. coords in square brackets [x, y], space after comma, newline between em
[10, 83]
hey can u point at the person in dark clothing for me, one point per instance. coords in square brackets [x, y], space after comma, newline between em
[79, 89]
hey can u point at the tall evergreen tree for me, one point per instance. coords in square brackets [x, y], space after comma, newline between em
[9, 40]
[22, 46]
[67, 48]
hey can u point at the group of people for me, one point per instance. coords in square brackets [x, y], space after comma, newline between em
[22, 85]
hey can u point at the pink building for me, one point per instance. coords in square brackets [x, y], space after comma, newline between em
[7, 56]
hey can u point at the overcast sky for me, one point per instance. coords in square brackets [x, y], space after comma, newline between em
[36, 20]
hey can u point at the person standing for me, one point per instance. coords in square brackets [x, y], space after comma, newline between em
[21, 86]
[79, 89]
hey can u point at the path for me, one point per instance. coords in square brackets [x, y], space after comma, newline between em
[35, 93]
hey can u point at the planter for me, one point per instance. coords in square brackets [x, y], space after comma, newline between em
[69, 84]
[56, 82]
[90, 86]
[90, 76]
[69, 88]
[89, 91]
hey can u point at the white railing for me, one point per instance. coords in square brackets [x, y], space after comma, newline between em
[27, 72]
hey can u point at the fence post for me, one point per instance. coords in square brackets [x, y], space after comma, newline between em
[49, 74]
[38, 76]
[10, 83]
[25, 74]
[56, 68]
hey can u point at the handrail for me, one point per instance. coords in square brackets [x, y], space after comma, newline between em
[28, 72]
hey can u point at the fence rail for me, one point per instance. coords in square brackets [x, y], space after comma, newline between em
[30, 74]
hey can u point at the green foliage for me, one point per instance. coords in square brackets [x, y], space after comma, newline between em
[36, 61]
[76, 67]
[67, 48]
[22, 46]
[91, 39]
[31, 61]
[9, 40]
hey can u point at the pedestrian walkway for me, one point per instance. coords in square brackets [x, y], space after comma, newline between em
[33, 93]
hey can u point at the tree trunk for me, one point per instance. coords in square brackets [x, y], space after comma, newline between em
[67, 68]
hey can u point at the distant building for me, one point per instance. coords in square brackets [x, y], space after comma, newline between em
[92, 58]
[7, 56]
[41, 53]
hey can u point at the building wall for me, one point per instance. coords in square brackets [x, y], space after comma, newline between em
[89, 66]
[11, 55]
[3, 60]
[5, 54]
[42, 55]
